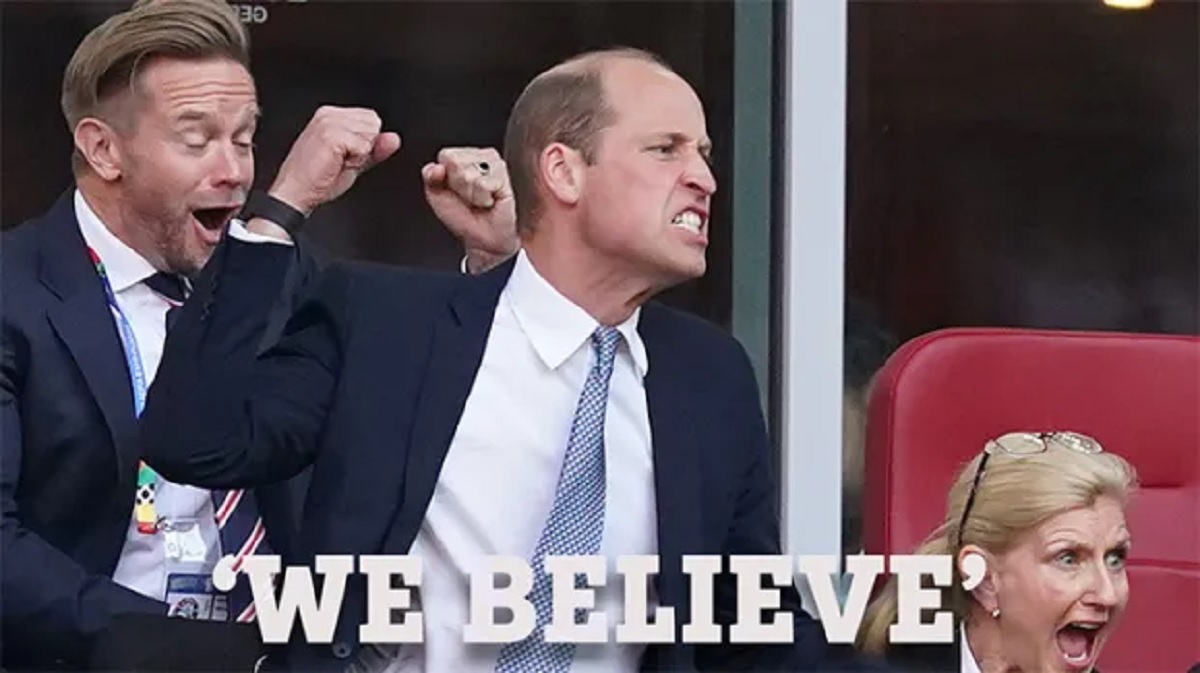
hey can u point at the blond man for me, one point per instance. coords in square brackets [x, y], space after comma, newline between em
[162, 109]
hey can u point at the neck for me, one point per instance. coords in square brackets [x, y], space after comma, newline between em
[983, 635]
[105, 202]
[603, 287]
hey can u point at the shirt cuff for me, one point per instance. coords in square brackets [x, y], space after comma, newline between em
[238, 230]
[462, 266]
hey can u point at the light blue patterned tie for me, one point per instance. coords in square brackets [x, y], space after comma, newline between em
[576, 522]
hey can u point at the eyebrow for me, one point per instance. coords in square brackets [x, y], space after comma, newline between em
[1123, 542]
[704, 145]
[204, 116]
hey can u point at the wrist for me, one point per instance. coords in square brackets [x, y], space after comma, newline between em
[285, 193]
[265, 227]
[269, 215]
[479, 261]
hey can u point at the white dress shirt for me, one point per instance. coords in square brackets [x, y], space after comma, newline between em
[498, 482]
[143, 563]
[143, 566]
[967, 663]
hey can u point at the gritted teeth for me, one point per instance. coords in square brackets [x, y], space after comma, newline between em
[690, 220]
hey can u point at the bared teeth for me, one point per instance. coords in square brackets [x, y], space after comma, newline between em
[689, 220]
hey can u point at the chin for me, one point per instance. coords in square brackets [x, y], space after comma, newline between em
[689, 267]
[192, 259]
[678, 275]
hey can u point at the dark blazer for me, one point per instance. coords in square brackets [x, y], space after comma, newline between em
[932, 658]
[69, 450]
[368, 384]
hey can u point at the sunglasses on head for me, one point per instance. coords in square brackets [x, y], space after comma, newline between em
[1024, 444]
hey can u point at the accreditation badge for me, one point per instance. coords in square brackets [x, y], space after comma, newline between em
[190, 562]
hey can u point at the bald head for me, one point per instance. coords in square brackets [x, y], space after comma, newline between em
[566, 104]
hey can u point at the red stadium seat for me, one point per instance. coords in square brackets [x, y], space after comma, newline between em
[940, 396]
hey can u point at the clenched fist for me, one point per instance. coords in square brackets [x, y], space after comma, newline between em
[469, 191]
[337, 146]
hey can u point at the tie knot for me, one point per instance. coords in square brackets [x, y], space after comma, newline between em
[605, 340]
[168, 285]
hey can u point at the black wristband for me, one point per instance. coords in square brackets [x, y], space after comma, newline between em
[262, 204]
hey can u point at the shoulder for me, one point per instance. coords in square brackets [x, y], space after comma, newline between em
[393, 282]
[370, 290]
[23, 298]
[387, 276]
[18, 247]
[662, 322]
[670, 330]
[925, 658]
[20, 266]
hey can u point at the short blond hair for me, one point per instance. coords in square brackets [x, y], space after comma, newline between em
[108, 59]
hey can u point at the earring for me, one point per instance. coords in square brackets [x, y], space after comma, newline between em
[996, 613]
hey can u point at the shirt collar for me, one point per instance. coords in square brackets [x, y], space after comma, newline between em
[554, 325]
[967, 663]
[123, 266]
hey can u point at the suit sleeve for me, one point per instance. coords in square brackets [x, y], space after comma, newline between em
[52, 607]
[756, 531]
[224, 413]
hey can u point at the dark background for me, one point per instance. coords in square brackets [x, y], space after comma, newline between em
[1025, 163]
[439, 73]
[1010, 162]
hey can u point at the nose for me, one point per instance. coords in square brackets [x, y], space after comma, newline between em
[1105, 592]
[233, 167]
[699, 176]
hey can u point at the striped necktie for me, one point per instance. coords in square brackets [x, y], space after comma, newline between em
[236, 512]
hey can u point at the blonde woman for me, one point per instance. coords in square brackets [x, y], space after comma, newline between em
[1046, 511]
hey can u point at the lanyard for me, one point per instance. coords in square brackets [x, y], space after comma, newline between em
[133, 356]
[147, 519]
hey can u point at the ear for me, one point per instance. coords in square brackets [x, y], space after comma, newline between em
[564, 172]
[986, 592]
[100, 147]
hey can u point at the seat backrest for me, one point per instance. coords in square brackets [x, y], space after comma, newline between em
[942, 395]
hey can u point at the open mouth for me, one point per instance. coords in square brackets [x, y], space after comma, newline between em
[214, 219]
[1077, 642]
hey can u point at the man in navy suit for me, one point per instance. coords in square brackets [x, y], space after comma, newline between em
[88, 534]
[545, 408]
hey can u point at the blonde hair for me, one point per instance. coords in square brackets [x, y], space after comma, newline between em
[108, 59]
[1015, 495]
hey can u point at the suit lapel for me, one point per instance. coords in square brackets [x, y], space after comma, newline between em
[676, 476]
[84, 323]
[459, 339]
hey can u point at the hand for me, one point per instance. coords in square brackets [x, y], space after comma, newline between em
[475, 204]
[337, 146]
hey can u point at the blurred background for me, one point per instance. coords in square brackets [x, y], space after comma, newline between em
[1008, 163]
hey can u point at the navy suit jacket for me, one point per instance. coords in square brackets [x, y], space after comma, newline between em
[69, 450]
[367, 385]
